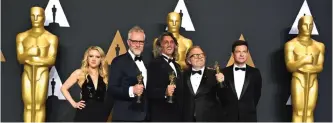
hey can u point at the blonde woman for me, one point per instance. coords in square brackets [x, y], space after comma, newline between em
[92, 77]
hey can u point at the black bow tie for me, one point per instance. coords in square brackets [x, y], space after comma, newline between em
[169, 60]
[239, 68]
[138, 58]
[194, 72]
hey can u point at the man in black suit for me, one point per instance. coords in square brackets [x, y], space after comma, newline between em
[123, 84]
[200, 89]
[243, 87]
[159, 88]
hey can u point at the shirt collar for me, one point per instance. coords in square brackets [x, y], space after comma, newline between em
[202, 69]
[243, 66]
[165, 55]
[131, 53]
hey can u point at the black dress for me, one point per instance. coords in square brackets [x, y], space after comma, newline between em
[94, 101]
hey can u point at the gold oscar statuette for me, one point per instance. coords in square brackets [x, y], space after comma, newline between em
[172, 77]
[140, 82]
[37, 50]
[304, 58]
[217, 69]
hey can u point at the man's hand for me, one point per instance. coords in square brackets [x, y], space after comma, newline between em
[219, 77]
[138, 89]
[170, 89]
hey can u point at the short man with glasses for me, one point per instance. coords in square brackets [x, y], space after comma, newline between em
[200, 89]
[242, 93]
[123, 84]
[160, 90]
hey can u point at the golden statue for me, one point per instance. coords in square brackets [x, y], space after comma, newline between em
[140, 82]
[172, 77]
[217, 69]
[174, 21]
[304, 58]
[36, 50]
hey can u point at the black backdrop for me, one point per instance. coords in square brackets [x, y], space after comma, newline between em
[265, 24]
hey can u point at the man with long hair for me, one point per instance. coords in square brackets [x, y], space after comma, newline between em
[165, 98]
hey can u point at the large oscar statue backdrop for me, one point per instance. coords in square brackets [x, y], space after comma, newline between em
[36, 50]
[304, 57]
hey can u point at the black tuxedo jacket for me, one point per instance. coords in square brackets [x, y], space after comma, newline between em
[245, 108]
[158, 80]
[123, 74]
[204, 104]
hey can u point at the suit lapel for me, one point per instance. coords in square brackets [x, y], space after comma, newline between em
[177, 69]
[133, 65]
[188, 81]
[167, 65]
[231, 80]
[144, 63]
[246, 81]
[179, 74]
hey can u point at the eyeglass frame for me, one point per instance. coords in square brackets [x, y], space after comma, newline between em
[137, 42]
[197, 56]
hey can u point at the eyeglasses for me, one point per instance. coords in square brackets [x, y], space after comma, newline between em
[198, 56]
[137, 42]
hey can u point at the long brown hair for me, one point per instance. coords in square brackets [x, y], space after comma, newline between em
[158, 50]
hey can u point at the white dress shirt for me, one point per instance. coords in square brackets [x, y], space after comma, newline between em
[239, 77]
[196, 79]
[171, 64]
[142, 68]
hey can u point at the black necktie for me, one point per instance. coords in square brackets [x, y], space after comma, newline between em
[169, 60]
[239, 68]
[138, 58]
[194, 72]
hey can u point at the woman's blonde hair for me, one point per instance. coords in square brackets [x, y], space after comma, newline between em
[102, 69]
